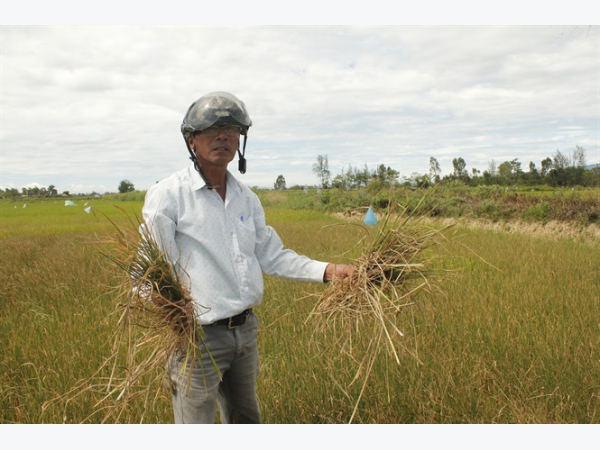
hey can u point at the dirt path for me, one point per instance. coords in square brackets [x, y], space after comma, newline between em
[551, 229]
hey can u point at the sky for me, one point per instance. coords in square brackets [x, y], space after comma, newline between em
[86, 106]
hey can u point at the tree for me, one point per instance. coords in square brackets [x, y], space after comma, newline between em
[546, 166]
[590, 177]
[579, 157]
[460, 170]
[492, 169]
[340, 181]
[532, 168]
[126, 186]
[533, 176]
[560, 160]
[321, 170]
[386, 175]
[11, 192]
[280, 183]
[568, 171]
[420, 180]
[516, 168]
[361, 177]
[505, 171]
[487, 178]
[434, 169]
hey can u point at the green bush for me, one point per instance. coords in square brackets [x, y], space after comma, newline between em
[490, 210]
[539, 212]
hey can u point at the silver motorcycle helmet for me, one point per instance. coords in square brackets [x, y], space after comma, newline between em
[212, 109]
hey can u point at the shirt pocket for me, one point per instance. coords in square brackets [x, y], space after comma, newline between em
[246, 233]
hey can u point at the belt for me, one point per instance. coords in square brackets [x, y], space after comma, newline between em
[234, 321]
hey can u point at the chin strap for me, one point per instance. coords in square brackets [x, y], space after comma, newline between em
[242, 161]
[209, 186]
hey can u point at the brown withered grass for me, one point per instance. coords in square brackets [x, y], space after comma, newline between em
[157, 322]
[395, 268]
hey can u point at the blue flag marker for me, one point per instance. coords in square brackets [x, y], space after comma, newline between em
[370, 218]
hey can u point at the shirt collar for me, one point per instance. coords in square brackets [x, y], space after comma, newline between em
[233, 186]
[198, 183]
[196, 180]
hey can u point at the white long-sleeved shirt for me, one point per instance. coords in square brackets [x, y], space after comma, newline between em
[220, 248]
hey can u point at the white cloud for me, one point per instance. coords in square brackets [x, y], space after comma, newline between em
[86, 107]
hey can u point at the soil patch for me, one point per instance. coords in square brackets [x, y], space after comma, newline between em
[550, 229]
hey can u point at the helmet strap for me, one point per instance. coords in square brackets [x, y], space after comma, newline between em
[242, 161]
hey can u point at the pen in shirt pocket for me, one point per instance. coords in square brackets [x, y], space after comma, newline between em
[242, 219]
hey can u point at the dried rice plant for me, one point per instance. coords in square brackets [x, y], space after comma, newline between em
[396, 267]
[157, 321]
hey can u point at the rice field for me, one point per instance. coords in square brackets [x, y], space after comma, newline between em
[513, 335]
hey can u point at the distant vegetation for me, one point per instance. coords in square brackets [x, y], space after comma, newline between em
[496, 203]
[450, 199]
[560, 170]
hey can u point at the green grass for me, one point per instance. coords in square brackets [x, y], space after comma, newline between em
[515, 338]
[49, 216]
[532, 204]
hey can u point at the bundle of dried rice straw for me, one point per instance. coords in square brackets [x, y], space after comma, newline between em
[157, 321]
[396, 267]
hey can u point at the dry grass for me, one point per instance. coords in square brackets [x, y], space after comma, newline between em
[519, 345]
[157, 322]
[395, 268]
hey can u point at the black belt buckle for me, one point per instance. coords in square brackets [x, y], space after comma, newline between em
[239, 320]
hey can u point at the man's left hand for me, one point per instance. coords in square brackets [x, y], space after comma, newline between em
[337, 271]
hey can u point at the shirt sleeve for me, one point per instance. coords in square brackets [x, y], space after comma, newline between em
[160, 219]
[278, 261]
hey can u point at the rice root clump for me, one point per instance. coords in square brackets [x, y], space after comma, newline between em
[156, 322]
[361, 314]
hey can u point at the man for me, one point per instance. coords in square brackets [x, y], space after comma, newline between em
[213, 229]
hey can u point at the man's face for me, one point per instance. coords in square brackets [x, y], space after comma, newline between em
[216, 145]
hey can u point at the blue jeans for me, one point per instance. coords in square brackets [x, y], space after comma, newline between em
[235, 352]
